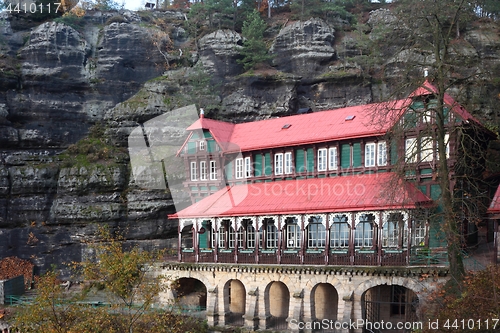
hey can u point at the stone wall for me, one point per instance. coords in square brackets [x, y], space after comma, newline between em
[270, 289]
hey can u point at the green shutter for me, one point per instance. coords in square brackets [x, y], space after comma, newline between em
[203, 238]
[191, 147]
[394, 152]
[356, 155]
[417, 105]
[345, 156]
[257, 164]
[299, 160]
[410, 119]
[310, 160]
[435, 192]
[446, 115]
[229, 171]
[268, 168]
[212, 146]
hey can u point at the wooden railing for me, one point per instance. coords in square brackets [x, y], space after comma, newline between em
[334, 257]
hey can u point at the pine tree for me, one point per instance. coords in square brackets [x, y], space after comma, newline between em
[254, 50]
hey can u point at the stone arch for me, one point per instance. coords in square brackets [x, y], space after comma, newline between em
[387, 299]
[324, 302]
[190, 293]
[277, 304]
[234, 296]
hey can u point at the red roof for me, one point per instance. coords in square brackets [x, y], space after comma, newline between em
[495, 203]
[428, 88]
[316, 195]
[340, 124]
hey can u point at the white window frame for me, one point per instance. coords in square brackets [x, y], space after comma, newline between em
[316, 235]
[194, 171]
[238, 168]
[213, 170]
[332, 158]
[426, 149]
[202, 145]
[322, 159]
[248, 167]
[203, 170]
[411, 150]
[288, 163]
[250, 236]
[293, 235]
[339, 232]
[381, 153]
[370, 154]
[278, 164]
[271, 236]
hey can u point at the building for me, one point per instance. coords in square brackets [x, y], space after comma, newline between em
[320, 217]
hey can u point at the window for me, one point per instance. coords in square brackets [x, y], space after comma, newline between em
[322, 159]
[246, 235]
[381, 153]
[418, 231]
[278, 164]
[239, 168]
[395, 231]
[194, 171]
[268, 235]
[240, 237]
[231, 237]
[446, 145]
[213, 170]
[292, 233]
[426, 149]
[203, 170]
[410, 150]
[288, 163]
[316, 233]
[363, 237]
[332, 158]
[339, 232]
[248, 167]
[250, 237]
[370, 154]
[202, 145]
[226, 235]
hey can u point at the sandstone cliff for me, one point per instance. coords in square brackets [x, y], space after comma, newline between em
[120, 69]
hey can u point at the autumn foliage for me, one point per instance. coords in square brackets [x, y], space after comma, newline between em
[475, 308]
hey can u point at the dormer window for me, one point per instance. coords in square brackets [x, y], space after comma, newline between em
[202, 145]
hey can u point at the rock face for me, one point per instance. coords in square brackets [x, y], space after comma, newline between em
[219, 51]
[304, 48]
[120, 71]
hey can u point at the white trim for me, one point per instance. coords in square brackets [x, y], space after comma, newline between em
[375, 214]
[347, 214]
[308, 216]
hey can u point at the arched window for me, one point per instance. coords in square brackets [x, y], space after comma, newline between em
[339, 232]
[395, 231]
[292, 233]
[316, 233]
[363, 237]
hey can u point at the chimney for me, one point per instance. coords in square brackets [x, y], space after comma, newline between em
[202, 113]
[426, 72]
